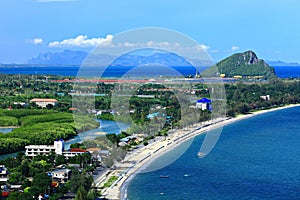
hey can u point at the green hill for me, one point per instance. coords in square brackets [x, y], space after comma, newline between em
[243, 65]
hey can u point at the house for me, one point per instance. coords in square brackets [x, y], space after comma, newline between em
[44, 102]
[266, 97]
[20, 103]
[3, 174]
[61, 174]
[204, 104]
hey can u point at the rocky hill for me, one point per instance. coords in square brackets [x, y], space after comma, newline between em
[245, 64]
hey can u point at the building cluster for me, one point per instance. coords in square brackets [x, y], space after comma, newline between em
[40, 102]
[136, 138]
[58, 147]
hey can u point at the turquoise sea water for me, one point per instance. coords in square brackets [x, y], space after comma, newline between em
[257, 158]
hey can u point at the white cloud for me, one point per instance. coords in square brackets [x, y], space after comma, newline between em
[234, 48]
[109, 46]
[82, 41]
[35, 41]
[203, 47]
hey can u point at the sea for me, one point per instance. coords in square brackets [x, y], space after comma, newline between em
[256, 158]
[119, 71]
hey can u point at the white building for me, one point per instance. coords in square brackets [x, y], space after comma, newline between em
[44, 102]
[266, 97]
[62, 174]
[204, 104]
[58, 148]
[3, 174]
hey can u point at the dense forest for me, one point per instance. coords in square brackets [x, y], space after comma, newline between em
[39, 127]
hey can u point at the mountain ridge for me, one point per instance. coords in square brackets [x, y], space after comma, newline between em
[68, 57]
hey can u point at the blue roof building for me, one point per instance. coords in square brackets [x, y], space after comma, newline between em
[204, 104]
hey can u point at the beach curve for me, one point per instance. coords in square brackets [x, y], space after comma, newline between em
[143, 157]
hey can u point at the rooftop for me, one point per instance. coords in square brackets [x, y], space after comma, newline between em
[43, 100]
[204, 100]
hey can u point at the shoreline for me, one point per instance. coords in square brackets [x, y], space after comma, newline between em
[138, 160]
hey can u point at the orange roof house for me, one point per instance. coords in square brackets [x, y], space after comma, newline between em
[44, 102]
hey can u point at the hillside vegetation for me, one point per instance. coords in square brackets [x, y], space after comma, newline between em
[246, 65]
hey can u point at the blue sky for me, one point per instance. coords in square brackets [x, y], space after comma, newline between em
[269, 27]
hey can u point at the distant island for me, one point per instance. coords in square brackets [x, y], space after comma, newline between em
[242, 65]
[281, 63]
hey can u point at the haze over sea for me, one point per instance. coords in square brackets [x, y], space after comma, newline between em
[118, 71]
[256, 158]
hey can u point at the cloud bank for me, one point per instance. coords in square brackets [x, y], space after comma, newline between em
[82, 41]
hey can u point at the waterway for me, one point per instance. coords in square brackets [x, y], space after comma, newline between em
[106, 127]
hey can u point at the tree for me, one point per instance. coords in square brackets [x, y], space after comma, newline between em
[42, 182]
[14, 196]
[82, 179]
[25, 169]
[16, 177]
[81, 194]
[92, 194]
[60, 159]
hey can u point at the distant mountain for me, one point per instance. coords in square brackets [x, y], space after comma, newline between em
[243, 64]
[167, 59]
[78, 57]
[59, 58]
[281, 63]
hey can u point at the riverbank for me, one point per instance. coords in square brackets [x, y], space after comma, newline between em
[140, 159]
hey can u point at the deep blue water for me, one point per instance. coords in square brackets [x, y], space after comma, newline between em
[94, 71]
[257, 158]
[118, 71]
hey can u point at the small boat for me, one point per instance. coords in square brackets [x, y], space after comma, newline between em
[201, 154]
[164, 176]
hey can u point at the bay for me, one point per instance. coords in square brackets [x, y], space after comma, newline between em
[257, 158]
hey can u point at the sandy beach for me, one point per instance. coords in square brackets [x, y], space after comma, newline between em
[142, 157]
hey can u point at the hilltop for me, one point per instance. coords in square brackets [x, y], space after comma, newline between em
[245, 64]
